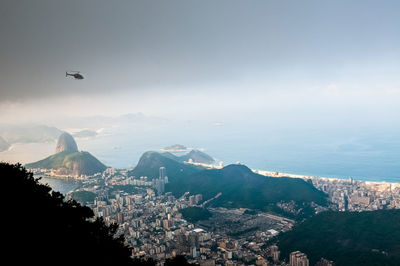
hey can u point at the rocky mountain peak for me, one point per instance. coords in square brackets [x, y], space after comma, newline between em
[66, 143]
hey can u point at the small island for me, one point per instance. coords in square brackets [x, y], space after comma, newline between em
[176, 148]
[85, 134]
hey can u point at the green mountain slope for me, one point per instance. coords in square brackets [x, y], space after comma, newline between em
[195, 214]
[347, 238]
[171, 156]
[197, 157]
[71, 163]
[240, 187]
[150, 163]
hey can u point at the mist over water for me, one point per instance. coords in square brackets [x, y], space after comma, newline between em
[364, 153]
[313, 89]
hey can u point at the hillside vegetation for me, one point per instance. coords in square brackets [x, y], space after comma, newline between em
[195, 214]
[83, 196]
[71, 163]
[150, 163]
[240, 187]
[347, 238]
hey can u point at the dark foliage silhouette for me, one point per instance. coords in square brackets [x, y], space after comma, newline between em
[42, 228]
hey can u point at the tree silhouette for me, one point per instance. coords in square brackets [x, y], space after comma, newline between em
[42, 228]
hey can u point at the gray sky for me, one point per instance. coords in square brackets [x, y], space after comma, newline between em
[169, 57]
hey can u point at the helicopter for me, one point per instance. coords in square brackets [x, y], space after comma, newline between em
[76, 75]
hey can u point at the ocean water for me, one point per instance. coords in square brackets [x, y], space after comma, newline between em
[371, 154]
[61, 185]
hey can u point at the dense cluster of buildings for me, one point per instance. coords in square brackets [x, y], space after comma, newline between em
[347, 194]
[154, 227]
[153, 224]
[353, 195]
[298, 258]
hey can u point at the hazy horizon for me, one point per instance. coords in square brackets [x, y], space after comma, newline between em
[324, 74]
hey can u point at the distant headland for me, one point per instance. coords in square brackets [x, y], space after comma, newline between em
[68, 160]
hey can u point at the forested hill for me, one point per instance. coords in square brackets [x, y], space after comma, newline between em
[151, 161]
[347, 238]
[68, 160]
[240, 187]
[71, 163]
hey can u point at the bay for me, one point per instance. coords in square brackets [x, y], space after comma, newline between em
[61, 185]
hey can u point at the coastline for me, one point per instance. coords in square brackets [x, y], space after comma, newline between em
[380, 185]
[51, 173]
[62, 185]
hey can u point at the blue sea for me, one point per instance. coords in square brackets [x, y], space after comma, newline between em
[361, 153]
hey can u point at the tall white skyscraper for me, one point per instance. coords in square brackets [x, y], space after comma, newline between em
[163, 174]
[159, 184]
